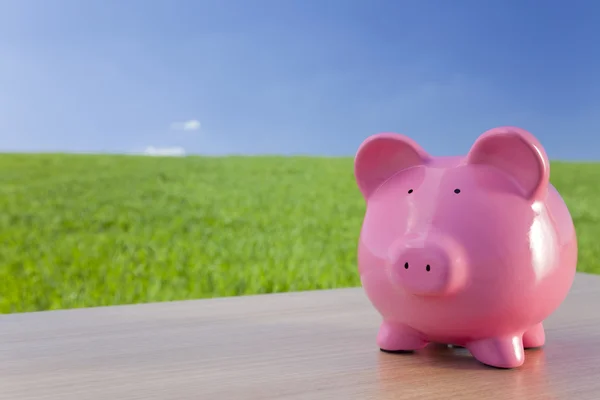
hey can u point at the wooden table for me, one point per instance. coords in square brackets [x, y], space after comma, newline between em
[310, 345]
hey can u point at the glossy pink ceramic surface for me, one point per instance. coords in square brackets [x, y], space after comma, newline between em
[474, 250]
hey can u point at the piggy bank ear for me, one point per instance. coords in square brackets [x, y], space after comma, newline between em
[519, 154]
[383, 155]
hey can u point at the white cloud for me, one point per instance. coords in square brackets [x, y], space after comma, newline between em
[191, 125]
[165, 151]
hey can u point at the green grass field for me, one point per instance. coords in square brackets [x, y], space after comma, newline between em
[86, 230]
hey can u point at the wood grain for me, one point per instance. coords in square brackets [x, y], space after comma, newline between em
[309, 345]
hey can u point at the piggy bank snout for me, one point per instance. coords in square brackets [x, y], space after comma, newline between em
[427, 269]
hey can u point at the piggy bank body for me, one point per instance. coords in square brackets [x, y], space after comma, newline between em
[473, 251]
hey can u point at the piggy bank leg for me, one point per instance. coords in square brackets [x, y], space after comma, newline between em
[501, 352]
[534, 337]
[395, 337]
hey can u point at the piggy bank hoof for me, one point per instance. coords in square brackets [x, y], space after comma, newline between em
[399, 338]
[504, 352]
[535, 337]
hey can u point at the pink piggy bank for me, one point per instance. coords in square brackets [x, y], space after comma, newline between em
[473, 251]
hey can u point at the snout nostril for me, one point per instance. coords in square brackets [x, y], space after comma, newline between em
[406, 265]
[428, 268]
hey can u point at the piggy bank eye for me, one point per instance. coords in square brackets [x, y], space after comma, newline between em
[410, 191]
[457, 191]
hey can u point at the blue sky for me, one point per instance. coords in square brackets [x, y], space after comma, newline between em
[296, 76]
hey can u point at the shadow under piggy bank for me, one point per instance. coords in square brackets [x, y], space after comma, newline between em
[441, 371]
